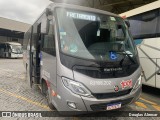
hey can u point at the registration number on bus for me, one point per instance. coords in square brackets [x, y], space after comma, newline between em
[113, 106]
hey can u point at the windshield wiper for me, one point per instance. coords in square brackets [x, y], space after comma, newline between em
[126, 54]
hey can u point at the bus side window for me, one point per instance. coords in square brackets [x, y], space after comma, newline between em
[144, 25]
[48, 42]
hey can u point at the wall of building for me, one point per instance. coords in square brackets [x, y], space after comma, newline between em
[10, 39]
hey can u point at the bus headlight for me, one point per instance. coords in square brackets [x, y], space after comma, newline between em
[76, 87]
[138, 83]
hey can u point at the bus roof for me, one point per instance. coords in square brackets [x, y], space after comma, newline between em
[77, 7]
[142, 9]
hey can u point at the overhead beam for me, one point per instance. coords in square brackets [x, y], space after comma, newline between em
[109, 5]
[116, 3]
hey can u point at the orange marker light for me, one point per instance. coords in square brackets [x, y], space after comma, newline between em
[54, 93]
[124, 17]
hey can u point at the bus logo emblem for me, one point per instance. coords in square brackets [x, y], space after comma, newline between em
[127, 83]
[116, 88]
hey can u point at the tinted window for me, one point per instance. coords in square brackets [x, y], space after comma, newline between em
[48, 44]
[144, 25]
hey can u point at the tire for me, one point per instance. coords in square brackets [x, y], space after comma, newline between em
[51, 106]
[44, 88]
[9, 55]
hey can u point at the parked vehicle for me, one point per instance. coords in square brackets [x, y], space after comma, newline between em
[11, 50]
[145, 28]
[83, 59]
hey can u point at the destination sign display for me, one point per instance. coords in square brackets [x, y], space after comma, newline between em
[81, 16]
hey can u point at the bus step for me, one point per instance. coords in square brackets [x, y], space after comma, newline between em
[35, 76]
[37, 84]
[40, 87]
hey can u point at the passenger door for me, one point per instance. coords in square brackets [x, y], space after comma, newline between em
[48, 55]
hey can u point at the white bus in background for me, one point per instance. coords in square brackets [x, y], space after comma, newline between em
[11, 50]
[145, 28]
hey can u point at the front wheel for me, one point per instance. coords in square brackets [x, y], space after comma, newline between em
[49, 100]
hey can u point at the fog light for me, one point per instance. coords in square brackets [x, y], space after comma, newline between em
[72, 105]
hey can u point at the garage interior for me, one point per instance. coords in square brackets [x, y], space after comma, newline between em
[12, 31]
[114, 6]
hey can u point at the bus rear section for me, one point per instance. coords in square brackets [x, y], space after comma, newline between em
[84, 59]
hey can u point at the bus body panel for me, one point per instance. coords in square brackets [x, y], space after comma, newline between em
[49, 68]
[149, 69]
[85, 103]
[148, 51]
[157, 75]
[52, 71]
[150, 47]
[64, 96]
[105, 85]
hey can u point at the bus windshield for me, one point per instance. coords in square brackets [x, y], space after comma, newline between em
[16, 49]
[93, 36]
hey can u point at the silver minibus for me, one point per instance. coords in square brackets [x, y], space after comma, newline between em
[83, 59]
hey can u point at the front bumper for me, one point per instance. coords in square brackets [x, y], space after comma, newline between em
[94, 104]
[86, 103]
[16, 55]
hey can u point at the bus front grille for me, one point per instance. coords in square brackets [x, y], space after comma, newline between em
[111, 95]
[95, 72]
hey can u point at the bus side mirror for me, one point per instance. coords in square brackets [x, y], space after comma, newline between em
[45, 21]
[44, 26]
[127, 23]
[49, 14]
